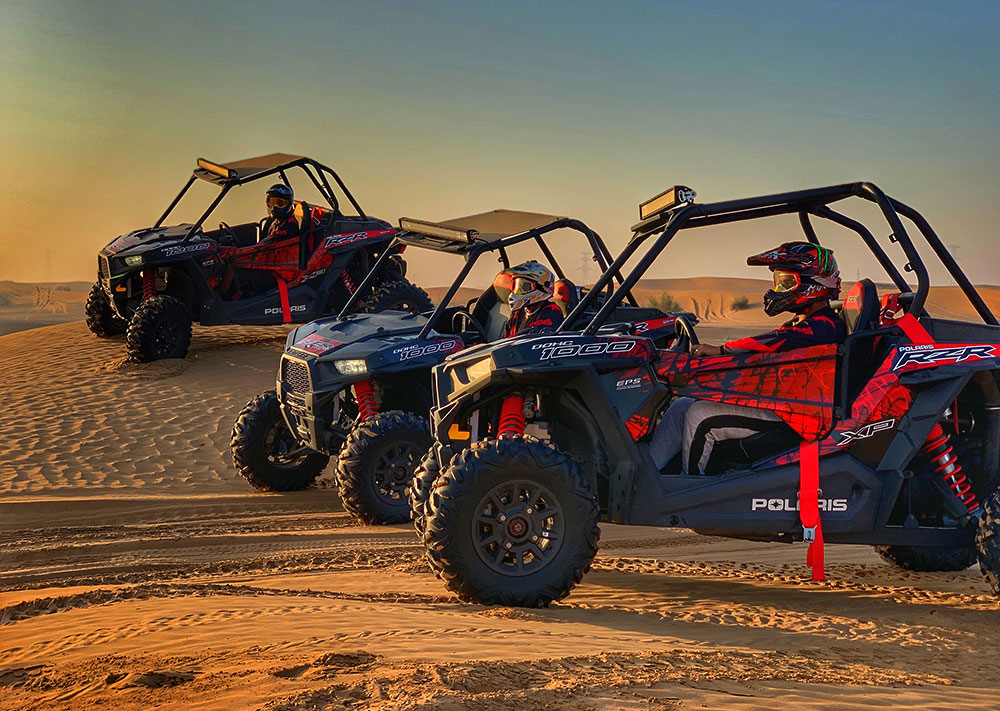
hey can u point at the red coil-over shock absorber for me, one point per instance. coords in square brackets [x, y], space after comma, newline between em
[946, 466]
[367, 406]
[511, 416]
[148, 283]
[346, 280]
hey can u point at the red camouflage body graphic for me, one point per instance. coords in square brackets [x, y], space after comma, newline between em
[283, 257]
[796, 385]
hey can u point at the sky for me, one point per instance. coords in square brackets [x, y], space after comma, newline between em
[440, 109]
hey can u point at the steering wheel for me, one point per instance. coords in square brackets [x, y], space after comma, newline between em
[461, 319]
[228, 234]
[685, 336]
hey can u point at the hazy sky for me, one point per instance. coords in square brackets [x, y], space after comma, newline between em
[439, 109]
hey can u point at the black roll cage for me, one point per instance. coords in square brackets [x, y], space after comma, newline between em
[320, 179]
[806, 203]
[475, 248]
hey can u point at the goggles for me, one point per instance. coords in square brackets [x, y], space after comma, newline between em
[275, 201]
[523, 285]
[786, 281]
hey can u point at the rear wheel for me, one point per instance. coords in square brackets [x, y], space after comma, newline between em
[377, 463]
[511, 522]
[267, 454]
[160, 328]
[928, 559]
[399, 295]
[101, 318]
[988, 542]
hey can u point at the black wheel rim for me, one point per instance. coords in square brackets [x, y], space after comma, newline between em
[278, 442]
[167, 336]
[518, 527]
[393, 472]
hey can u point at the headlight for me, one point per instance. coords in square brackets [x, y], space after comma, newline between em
[133, 260]
[351, 367]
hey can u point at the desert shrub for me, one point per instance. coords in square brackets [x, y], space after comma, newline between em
[5, 299]
[740, 303]
[665, 302]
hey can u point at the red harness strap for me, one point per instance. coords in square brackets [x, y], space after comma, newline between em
[286, 311]
[812, 528]
[913, 330]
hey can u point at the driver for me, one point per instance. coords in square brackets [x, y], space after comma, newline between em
[806, 278]
[280, 206]
[281, 225]
[530, 300]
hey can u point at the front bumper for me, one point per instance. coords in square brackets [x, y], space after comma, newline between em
[314, 417]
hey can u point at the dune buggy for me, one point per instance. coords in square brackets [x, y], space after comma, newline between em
[891, 439]
[358, 387]
[152, 283]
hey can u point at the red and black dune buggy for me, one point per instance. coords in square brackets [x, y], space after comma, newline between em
[152, 283]
[891, 439]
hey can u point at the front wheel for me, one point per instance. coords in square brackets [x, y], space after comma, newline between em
[102, 321]
[511, 522]
[265, 451]
[160, 328]
[423, 479]
[377, 463]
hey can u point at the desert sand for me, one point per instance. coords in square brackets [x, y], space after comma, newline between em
[137, 571]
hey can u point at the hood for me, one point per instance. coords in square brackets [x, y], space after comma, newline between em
[382, 339]
[148, 238]
[555, 350]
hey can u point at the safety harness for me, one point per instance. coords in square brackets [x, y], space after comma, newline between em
[809, 491]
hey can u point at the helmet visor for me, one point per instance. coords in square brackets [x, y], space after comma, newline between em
[275, 201]
[785, 281]
[523, 285]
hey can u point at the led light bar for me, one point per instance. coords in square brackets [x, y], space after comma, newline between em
[666, 201]
[220, 170]
[435, 229]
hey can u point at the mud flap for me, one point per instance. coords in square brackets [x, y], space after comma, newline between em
[812, 528]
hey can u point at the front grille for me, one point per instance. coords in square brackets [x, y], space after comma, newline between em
[295, 375]
[103, 268]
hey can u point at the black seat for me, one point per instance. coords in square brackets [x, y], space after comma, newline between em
[491, 309]
[861, 307]
[566, 295]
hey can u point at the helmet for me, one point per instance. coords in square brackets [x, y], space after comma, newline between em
[279, 201]
[531, 283]
[803, 274]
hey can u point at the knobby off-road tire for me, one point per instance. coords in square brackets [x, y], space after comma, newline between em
[511, 522]
[988, 541]
[423, 478]
[927, 559]
[260, 438]
[160, 328]
[101, 318]
[398, 295]
[376, 465]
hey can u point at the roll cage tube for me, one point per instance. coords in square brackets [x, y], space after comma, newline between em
[500, 245]
[813, 201]
[322, 184]
[479, 247]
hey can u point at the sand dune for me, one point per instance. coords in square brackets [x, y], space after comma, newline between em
[26, 306]
[138, 571]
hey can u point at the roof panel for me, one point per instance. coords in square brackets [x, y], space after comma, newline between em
[498, 224]
[245, 167]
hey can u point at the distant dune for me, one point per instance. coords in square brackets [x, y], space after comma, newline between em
[25, 306]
